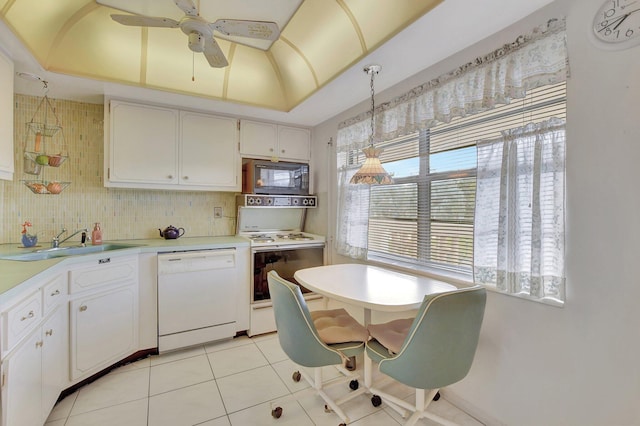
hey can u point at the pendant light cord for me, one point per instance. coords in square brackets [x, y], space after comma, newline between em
[373, 107]
[372, 70]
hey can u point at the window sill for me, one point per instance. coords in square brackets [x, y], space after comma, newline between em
[457, 279]
[450, 277]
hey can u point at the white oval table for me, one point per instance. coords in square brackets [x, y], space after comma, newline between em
[372, 288]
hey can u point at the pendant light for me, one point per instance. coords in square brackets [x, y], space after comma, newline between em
[372, 172]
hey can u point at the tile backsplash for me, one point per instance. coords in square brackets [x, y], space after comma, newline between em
[123, 213]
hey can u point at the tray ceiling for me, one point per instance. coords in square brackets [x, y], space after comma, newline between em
[319, 40]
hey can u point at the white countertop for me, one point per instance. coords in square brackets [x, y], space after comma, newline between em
[13, 272]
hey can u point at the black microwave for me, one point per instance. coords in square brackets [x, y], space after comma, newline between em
[275, 178]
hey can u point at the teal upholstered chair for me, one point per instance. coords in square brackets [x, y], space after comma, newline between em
[301, 341]
[438, 349]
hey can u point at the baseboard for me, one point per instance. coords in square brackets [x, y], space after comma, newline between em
[131, 358]
[472, 410]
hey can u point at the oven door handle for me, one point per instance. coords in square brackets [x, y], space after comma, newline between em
[275, 247]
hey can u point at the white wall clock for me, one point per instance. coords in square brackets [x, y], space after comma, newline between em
[616, 24]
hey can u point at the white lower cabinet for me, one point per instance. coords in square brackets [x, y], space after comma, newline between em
[23, 377]
[34, 373]
[104, 319]
[55, 358]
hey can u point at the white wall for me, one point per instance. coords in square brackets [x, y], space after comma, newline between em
[576, 365]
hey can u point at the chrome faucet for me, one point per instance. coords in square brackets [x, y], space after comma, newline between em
[56, 240]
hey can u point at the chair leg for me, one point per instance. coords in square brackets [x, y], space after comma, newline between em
[350, 364]
[399, 405]
[402, 407]
[318, 386]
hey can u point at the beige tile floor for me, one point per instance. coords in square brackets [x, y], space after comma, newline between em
[220, 384]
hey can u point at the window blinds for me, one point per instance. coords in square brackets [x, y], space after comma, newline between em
[426, 217]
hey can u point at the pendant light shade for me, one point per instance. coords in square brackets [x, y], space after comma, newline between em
[372, 172]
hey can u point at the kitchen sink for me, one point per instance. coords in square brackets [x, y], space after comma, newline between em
[53, 252]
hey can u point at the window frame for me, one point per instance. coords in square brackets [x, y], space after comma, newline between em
[519, 110]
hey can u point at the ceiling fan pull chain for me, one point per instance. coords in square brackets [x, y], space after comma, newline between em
[193, 66]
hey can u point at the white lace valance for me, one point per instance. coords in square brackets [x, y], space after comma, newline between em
[532, 60]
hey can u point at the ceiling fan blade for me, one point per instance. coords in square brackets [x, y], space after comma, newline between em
[114, 5]
[253, 29]
[145, 21]
[187, 6]
[214, 54]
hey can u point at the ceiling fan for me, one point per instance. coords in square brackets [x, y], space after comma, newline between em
[200, 32]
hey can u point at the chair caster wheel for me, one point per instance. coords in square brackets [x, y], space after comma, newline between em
[376, 401]
[437, 396]
[276, 412]
[327, 409]
[296, 376]
[353, 385]
[342, 424]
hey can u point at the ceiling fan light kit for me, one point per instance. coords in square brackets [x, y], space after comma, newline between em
[200, 32]
[196, 42]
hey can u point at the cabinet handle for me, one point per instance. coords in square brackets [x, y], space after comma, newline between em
[170, 177]
[282, 151]
[256, 308]
[270, 149]
[83, 308]
[49, 332]
[55, 293]
[186, 178]
[39, 344]
[29, 315]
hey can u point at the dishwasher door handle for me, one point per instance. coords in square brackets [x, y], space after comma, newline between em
[193, 261]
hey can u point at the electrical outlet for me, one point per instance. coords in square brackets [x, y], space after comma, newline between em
[217, 212]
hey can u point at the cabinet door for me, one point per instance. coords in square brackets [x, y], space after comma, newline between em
[104, 329]
[55, 358]
[143, 144]
[293, 143]
[258, 139]
[208, 151]
[22, 389]
[6, 118]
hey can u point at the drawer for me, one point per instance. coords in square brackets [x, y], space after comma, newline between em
[21, 319]
[262, 319]
[103, 272]
[53, 293]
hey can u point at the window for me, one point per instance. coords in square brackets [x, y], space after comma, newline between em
[425, 219]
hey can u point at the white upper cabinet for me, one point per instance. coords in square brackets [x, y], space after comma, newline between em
[294, 143]
[274, 142]
[209, 152]
[6, 118]
[144, 144]
[164, 148]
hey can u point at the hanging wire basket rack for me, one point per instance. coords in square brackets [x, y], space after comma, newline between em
[46, 187]
[42, 136]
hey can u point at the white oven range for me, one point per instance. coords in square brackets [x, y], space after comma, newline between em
[277, 243]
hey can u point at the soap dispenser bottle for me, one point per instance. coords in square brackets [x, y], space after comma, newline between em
[96, 235]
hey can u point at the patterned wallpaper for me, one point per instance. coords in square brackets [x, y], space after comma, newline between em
[123, 213]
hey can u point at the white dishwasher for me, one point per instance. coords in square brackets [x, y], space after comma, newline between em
[196, 297]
